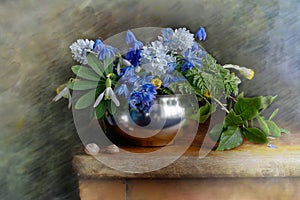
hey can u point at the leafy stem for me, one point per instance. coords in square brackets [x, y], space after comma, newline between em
[222, 105]
[239, 122]
[232, 98]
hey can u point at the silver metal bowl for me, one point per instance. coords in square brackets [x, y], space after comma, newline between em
[156, 128]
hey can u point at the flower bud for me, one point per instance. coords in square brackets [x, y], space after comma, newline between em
[246, 72]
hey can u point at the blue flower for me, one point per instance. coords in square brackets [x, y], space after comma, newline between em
[172, 66]
[143, 98]
[144, 80]
[122, 90]
[134, 57]
[141, 101]
[97, 43]
[128, 75]
[171, 79]
[186, 66]
[193, 57]
[167, 34]
[272, 146]
[133, 42]
[133, 54]
[103, 51]
[195, 47]
[201, 34]
[149, 88]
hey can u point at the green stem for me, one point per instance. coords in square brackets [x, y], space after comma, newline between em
[232, 98]
[110, 75]
[223, 107]
[108, 82]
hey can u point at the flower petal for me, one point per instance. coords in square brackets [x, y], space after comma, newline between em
[113, 96]
[247, 73]
[201, 34]
[130, 38]
[99, 99]
[61, 94]
[70, 99]
[126, 62]
[119, 69]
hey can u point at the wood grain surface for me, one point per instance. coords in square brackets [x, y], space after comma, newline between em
[248, 160]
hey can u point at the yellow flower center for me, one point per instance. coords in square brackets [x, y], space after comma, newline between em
[156, 82]
[60, 88]
[207, 94]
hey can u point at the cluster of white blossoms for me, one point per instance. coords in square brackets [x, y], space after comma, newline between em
[155, 58]
[179, 40]
[80, 48]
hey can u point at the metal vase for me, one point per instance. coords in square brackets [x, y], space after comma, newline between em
[156, 128]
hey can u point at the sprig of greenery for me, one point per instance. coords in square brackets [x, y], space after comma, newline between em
[212, 78]
[244, 115]
[197, 81]
[244, 120]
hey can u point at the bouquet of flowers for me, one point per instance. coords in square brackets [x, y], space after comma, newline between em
[174, 63]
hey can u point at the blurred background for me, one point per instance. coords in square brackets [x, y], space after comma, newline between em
[37, 136]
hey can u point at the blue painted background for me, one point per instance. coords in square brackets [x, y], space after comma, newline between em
[37, 137]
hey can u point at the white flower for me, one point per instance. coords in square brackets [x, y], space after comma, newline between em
[179, 40]
[244, 71]
[247, 73]
[80, 48]
[125, 62]
[65, 92]
[108, 93]
[154, 58]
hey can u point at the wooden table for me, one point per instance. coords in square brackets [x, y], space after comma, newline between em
[251, 171]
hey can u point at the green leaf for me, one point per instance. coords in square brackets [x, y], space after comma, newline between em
[241, 95]
[233, 119]
[282, 130]
[274, 114]
[112, 108]
[107, 64]
[197, 81]
[274, 129]
[85, 100]
[248, 108]
[82, 85]
[85, 73]
[267, 101]
[263, 125]
[231, 83]
[101, 109]
[255, 135]
[205, 111]
[216, 132]
[95, 64]
[230, 138]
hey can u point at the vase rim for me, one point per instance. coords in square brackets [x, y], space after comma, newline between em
[171, 95]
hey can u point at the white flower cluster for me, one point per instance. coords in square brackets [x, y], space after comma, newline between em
[154, 58]
[179, 40]
[80, 48]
